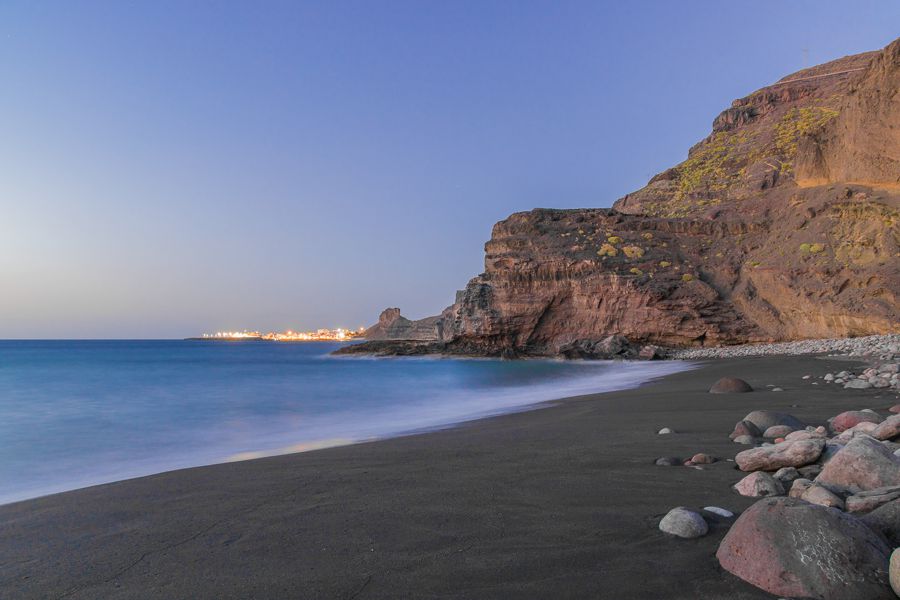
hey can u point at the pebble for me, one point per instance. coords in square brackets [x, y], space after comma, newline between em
[665, 431]
[883, 347]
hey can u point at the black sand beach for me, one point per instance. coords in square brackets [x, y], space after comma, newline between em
[561, 502]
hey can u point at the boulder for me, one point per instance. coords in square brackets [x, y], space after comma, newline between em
[759, 484]
[887, 429]
[785, 454]
[872, 499]
[730, 385]
[886, 520]
[863, 464]
[763, 419]
[810, 471]
[745, 428]
[848, 419]
[684, 523]
[746, 440]
[778, 431]
[794, 549]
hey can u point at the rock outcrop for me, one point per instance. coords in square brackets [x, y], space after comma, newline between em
[783, 224]
[393, 326]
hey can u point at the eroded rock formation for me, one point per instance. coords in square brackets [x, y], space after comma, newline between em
[783, 224]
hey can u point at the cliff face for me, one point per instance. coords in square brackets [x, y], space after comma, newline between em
[783, 224]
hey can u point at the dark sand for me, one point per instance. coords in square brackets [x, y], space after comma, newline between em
[561, 502]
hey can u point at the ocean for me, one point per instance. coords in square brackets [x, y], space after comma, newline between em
[80, 413]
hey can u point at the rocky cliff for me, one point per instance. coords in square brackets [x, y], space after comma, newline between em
[784, 223]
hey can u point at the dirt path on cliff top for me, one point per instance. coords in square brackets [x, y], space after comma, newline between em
[561, 502]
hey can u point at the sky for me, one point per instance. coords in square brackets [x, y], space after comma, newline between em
[170, 168]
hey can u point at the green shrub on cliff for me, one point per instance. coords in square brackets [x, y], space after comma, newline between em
[607, 250]
[687, 277]
[633, 251]
[796, 123]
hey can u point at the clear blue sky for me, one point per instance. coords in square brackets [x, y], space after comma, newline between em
[169, 167]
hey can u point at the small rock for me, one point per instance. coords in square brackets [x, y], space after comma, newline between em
[730, 385]
[857, 384]
[872, 499]
[777, 389]
[684, 523]
[776, 431]
[805, 377]
[763, 419]
[759, 484]
[810, 471]
[787, 475]
[828, 377]
[746, 428]
[668, 461]
[719, 511]
[887, 429]
[799, 487]
[817, 494]
[894, 571]
[703, 459]
[665, 431]
[745, 440]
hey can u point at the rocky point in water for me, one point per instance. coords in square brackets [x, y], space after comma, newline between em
[781, 225]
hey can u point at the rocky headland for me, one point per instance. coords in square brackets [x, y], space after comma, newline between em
[782, 225]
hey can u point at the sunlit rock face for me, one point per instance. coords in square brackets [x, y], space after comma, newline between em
[783, 224]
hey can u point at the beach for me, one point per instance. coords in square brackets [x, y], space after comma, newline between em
[559, 502]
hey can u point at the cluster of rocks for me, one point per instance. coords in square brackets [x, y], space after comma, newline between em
[884, 375]
[882, 347]
[827, 524]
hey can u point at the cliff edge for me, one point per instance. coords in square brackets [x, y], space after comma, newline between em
[782, 224]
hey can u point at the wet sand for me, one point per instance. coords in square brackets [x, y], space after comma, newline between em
[561, 502]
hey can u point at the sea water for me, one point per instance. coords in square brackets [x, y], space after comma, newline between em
[79, 413]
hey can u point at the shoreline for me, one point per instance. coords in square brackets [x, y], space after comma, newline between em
[542, 503]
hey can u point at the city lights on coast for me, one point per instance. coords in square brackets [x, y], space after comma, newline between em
[319, 335]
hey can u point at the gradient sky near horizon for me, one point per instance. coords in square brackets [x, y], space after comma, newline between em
[169, 168]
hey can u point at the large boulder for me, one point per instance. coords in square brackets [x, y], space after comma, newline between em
[730, 385]
[763, 419]
[784, 454]
[791, 548]
[863, 464]
[848, 419]
[759, 484]
[683, 522]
